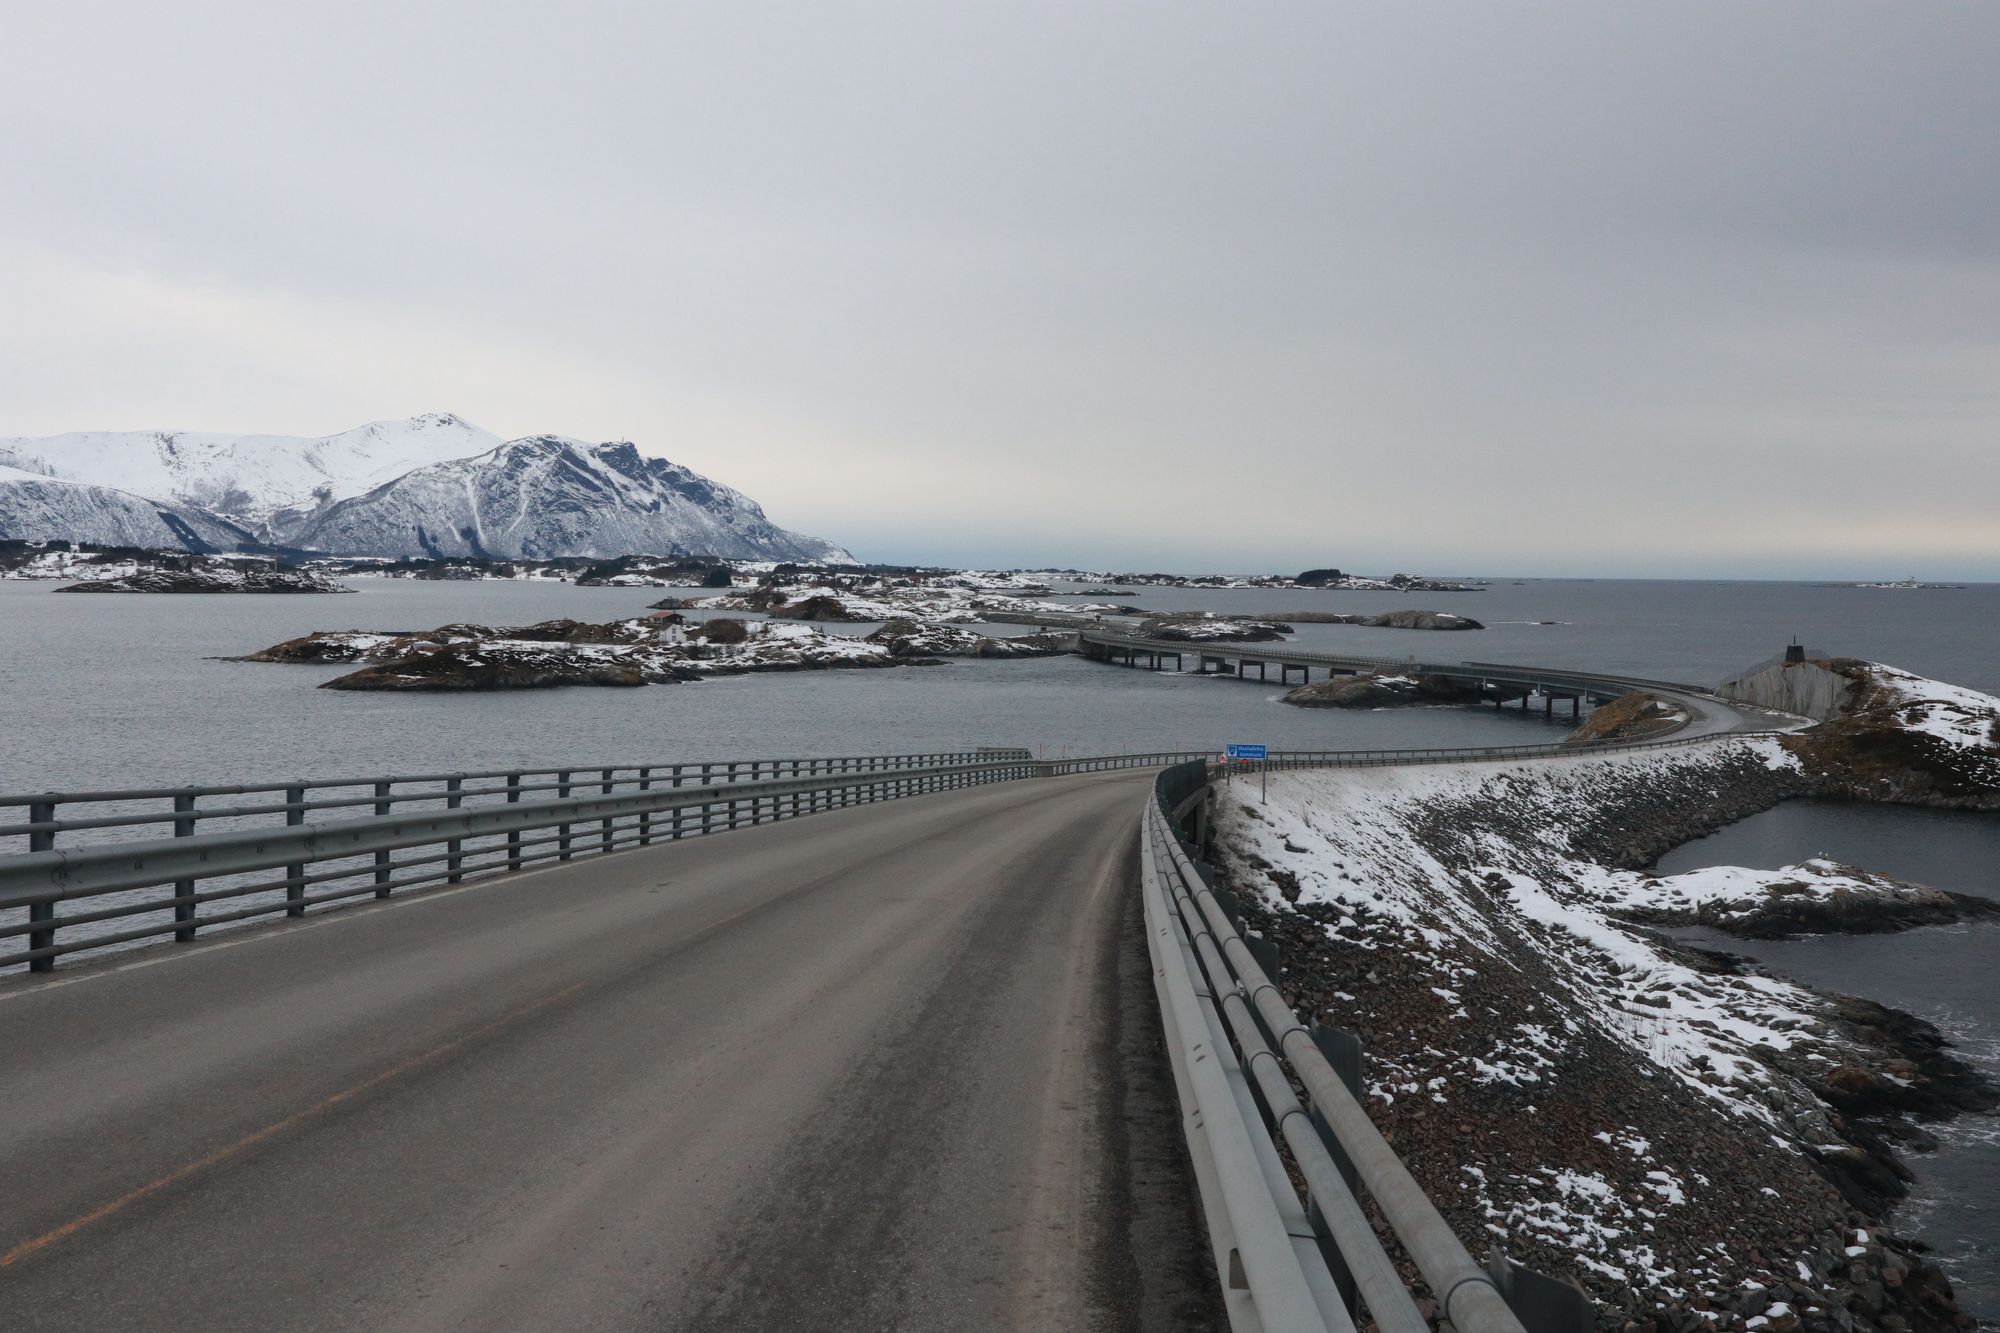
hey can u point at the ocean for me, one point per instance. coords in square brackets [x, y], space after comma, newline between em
[115, 691]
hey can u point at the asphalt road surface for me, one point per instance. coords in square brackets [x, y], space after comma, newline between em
[895, 1067]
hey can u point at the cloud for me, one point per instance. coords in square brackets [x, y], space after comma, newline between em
[1547, 288]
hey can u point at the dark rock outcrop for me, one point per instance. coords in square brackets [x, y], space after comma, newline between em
[483, 666]
[1379, 691]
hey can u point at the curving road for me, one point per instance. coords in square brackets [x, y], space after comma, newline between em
[889, 1068]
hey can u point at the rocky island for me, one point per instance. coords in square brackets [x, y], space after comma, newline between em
[213, 576]
[655, 651]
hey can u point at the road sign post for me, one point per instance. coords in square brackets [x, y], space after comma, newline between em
[1262, 755]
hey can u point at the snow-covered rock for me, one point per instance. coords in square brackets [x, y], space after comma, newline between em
[213, 578]
[568, 652]
[547, 496]
[1206, 629]
[1893, 735]
[932, 601]
[908, 638]
[37, 507]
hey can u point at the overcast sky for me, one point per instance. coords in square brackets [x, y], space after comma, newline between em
[1594, 288]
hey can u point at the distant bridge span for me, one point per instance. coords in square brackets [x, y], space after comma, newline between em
[1503, 683]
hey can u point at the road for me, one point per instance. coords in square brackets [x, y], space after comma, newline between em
[888, 1068]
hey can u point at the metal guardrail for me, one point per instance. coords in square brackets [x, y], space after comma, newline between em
[1313, 1263]
[461, 825]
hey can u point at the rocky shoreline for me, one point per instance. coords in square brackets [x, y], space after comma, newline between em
[1697, 1145]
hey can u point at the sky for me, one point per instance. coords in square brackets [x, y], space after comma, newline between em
[1595, 289]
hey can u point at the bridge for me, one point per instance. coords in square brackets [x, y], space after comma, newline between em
[1502, 683]
[917, 1041]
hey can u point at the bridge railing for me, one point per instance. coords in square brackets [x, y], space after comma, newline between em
[1240, 1057]
[98, 869]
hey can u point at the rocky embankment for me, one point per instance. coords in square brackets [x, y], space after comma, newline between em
[1898, 737]
[1696, 1145]
[214, 578]
[654, 651]
[1639, 716]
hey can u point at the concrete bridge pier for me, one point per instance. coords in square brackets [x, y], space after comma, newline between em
[1285, 670]
[1549, 697]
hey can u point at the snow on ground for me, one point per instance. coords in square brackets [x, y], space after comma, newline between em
[1951, 713]
[1493, 969]
[1393, 892]
[1726, 895]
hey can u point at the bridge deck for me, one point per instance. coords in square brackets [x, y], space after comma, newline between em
[889, 1067]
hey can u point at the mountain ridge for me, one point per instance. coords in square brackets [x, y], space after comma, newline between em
[430, 485]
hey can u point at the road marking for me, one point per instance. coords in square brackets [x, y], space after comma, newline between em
[252, 1139]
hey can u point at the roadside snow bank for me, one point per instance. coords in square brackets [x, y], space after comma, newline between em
[1651, 1120]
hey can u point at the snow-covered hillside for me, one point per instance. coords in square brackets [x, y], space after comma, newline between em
[35, 507]
[433, 485]
[548, 496]
[271, 484]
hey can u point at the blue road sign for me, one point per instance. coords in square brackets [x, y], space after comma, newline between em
[1246, 752]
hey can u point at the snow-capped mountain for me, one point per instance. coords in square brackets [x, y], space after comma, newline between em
[547, 496]
[272, 484]
[432, 485]
[42, 508]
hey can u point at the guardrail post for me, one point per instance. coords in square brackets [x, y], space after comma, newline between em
[645, 816]
[1541, 1303]
[513, 835]
[676, 833]
[382, 807]
[295, 873]
[42, 812]
[1343, 1051]
[183, 888]
[562, 831]
[605, 790]
[454, 858]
